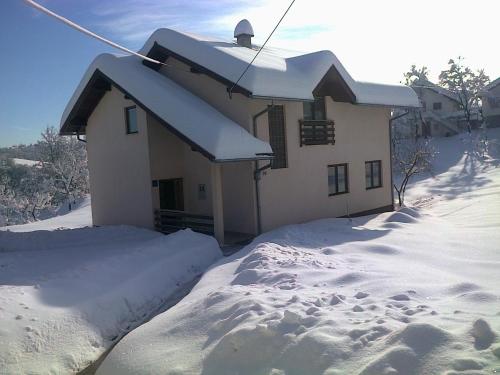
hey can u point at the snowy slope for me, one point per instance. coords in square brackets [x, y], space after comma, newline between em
[411, 292]
[67, 295]
[79, 217]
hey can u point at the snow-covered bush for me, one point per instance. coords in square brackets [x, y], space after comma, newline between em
[60, 176]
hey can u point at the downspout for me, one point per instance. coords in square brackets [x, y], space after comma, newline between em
[391, 151]
[80, 139]
[257, 171]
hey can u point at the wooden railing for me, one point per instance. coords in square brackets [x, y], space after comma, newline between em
[316, 132]
[168, 221]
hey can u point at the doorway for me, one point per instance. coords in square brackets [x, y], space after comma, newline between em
[171, 194]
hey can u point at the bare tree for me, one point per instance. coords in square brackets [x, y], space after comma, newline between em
[65, 164]
[466, 84]
[415, 74]
[410, 157]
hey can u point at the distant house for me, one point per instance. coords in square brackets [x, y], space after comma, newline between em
[27, 162]
[298, 138]
[441, 113]
[490, 98]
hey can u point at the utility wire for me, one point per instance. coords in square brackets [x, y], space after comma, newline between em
[88, 32]
[260, 49]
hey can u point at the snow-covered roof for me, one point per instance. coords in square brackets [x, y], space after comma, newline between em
[194, 120]
[492, 84]
[26, 162]
[243, 28]
[426, 84]
[275, 73]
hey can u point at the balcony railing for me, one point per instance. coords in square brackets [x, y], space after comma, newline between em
[316, 132]
[168, 221]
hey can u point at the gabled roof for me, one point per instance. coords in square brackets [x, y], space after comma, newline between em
[492, 84]
[275, 73]
[426, 84]
[186, 115]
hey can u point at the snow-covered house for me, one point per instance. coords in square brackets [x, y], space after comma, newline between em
[181, 144]
[441, 113]
[490, 98]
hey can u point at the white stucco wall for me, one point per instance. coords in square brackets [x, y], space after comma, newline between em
[299, 192]
[118, 162]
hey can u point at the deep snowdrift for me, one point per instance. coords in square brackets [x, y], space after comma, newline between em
[410, 292]
[68, 295]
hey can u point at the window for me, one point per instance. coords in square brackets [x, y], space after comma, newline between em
[373, 173]
[277, 136]
[437, 106]
[337, 179]
[131, 120]
[171, 194]
[315, 110]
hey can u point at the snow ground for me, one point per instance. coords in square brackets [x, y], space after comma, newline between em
[410, 292]
[66, 296]
[79, 217]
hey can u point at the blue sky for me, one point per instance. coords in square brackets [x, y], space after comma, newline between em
[42, 60]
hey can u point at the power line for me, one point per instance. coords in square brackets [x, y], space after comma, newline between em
[88, 32]
[260, 49]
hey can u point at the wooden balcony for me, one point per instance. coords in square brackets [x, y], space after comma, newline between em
[316, 132]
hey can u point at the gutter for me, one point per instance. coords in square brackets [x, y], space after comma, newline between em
[80, 139]
[257, 171]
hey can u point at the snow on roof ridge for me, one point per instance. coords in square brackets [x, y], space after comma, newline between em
[188, 114]
[276, 72]
[425, 83]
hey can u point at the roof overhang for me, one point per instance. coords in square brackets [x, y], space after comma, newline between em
[187, 116]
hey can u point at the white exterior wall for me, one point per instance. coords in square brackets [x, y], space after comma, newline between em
[299, 193]
[172, 158]
[118, 165]
[237, 178]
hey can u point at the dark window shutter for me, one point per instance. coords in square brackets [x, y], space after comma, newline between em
[277, 136]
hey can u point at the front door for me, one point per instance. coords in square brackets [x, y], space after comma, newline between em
[171, 194]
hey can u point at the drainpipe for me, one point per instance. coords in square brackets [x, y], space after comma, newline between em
[257, 171]
[80, 139]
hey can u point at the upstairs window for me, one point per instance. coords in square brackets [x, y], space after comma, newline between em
[131, 120]
[373, 173]
[315, 129]
[337, 179]
[437, 106]
[315, 110]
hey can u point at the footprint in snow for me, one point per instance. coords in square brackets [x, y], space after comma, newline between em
[400, 297]
[483, 334]
[361, 295]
